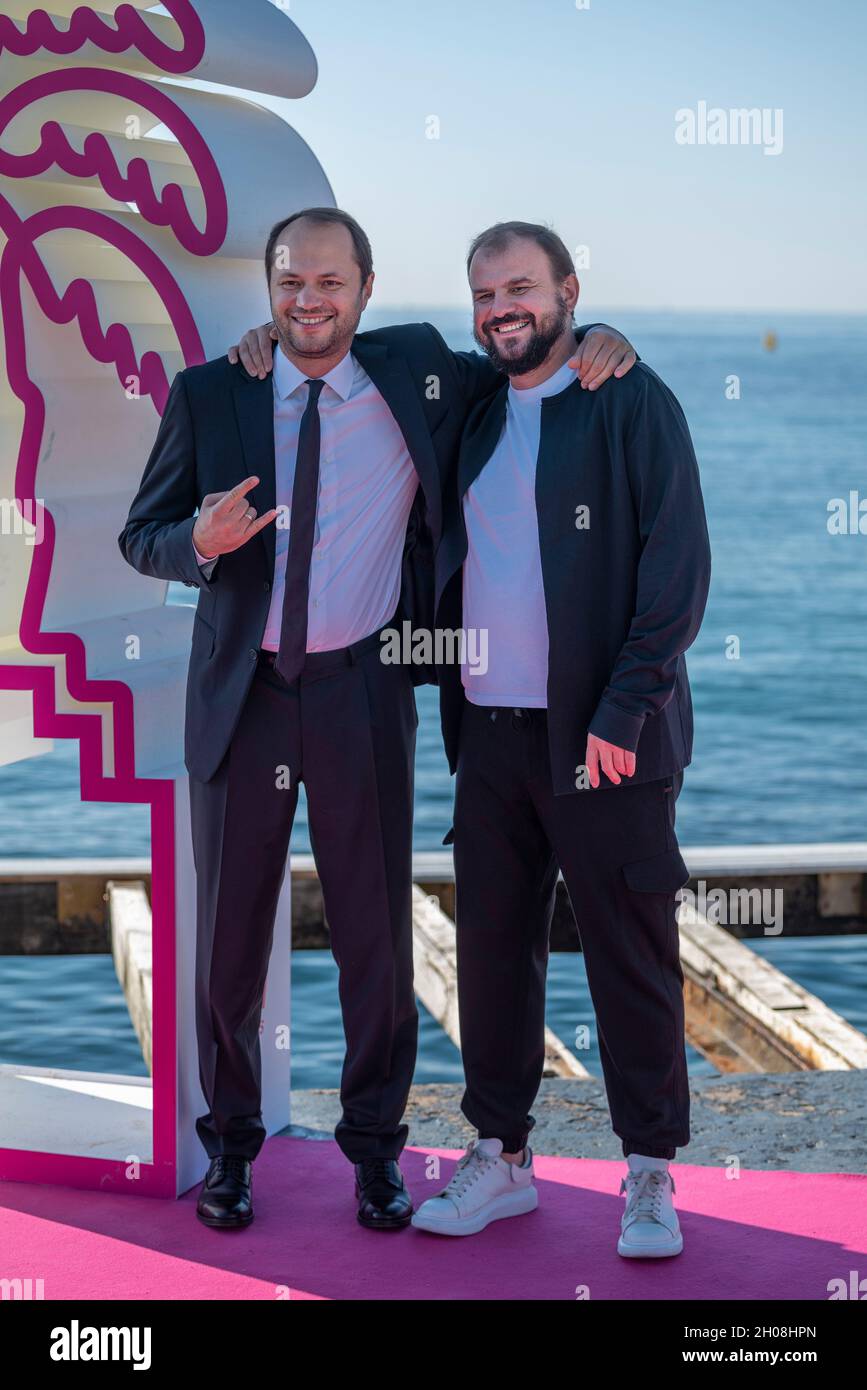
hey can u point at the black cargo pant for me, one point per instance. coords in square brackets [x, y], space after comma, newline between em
[346, 728]
[618, 854]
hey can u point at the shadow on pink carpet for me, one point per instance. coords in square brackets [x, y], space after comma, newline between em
[766, 1235]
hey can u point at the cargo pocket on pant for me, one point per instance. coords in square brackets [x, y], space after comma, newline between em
[663, 873]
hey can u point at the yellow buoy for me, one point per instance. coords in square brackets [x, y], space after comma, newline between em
[770, 341]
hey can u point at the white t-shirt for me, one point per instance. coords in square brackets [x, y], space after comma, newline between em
[502, 577]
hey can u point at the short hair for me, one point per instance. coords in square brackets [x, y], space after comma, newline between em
[497, 238]
[360, 242]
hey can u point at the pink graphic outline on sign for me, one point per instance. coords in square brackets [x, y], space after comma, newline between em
[114, 344]
[97, 157]
[130, 32]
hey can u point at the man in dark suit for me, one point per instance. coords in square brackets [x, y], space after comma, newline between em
[351, 444]
[575, 538]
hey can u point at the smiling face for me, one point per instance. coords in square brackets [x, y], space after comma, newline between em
[520, 312]
[317, 296]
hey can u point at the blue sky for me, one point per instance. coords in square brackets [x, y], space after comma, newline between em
[556, 114]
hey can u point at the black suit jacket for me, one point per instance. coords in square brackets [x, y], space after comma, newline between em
[218, 428]
[625, 597]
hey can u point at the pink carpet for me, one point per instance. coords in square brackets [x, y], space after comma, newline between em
[768, 1234]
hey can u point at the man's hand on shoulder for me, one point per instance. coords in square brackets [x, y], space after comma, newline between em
[256, 350]
[603, 353]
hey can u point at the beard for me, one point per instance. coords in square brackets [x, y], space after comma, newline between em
[335, 335]
[543, 335]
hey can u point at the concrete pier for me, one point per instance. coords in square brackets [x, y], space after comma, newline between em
[808, 1122]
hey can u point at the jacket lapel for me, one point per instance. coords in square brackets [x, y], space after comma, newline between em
[561, 438]
[480, 438]
[254, 409]
[392, 378]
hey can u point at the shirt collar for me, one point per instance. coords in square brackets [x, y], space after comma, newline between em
[551, 386]
[288, 377]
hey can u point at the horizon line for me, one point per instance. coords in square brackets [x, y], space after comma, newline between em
[640, 308]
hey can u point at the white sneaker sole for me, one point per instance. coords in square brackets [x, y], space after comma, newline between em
[650, 1252]
[507, 1204]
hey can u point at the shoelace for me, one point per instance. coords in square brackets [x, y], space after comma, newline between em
[468, 1171]
[377, 1169]
[645, 1191]
[229, 1165]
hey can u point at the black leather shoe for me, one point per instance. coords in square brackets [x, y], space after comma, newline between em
[383, 1201]
[226, 1200]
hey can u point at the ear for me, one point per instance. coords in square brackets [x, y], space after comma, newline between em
[571, 290]
[367, 290]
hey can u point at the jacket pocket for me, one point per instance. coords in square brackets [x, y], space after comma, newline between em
[663, 873]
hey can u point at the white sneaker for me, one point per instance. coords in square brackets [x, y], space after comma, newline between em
[483, 1188]
[649, 1228]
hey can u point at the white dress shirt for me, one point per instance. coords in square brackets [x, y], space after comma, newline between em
[367, 483]
[502, 576]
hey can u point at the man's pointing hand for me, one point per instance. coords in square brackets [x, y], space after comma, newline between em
[226, 520]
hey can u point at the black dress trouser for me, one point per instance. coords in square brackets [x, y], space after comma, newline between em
[346, 728]
[510, 835]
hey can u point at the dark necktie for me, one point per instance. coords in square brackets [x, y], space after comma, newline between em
[302, 524]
